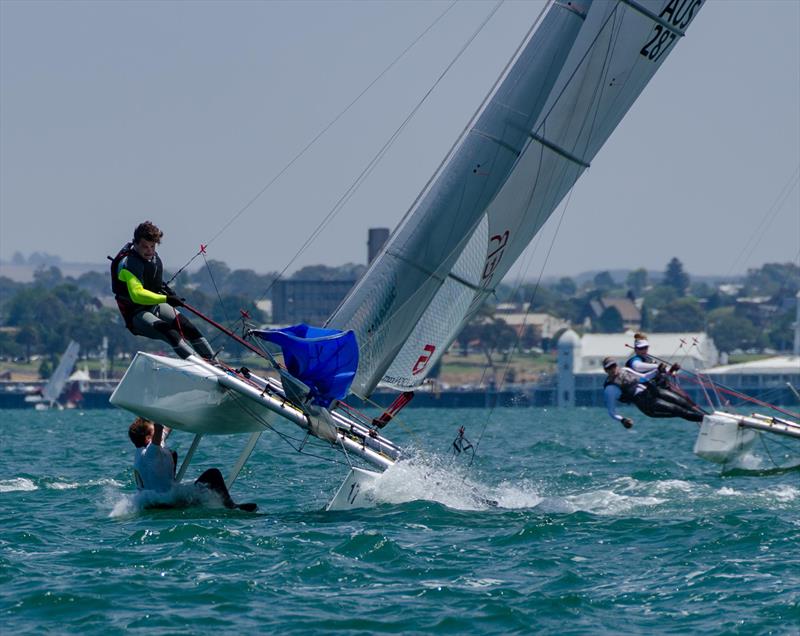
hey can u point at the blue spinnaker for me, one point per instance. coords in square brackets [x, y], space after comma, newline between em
[325, 360]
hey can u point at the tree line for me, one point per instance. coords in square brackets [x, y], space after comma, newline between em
[752, 312]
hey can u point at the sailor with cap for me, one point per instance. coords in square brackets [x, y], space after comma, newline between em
[631, 387]
[623, 385]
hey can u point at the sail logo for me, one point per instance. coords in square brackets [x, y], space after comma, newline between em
[678, 13]
[497, 245]
[423, 360]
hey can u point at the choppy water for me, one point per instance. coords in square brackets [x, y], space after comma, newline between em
[598, 530]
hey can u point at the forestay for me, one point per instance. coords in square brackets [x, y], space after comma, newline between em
[570, 83]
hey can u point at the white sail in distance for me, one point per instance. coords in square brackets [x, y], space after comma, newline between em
[55, 385]
[574, 77]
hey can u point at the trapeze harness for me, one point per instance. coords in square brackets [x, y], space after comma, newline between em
[661, 387]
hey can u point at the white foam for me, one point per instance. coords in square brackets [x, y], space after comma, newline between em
[69, 485]
[17, 484]
[607, 502]
[181, 496]
[425, 477]
[785, 493]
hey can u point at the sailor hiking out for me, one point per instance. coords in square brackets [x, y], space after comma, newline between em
[147, 303]
[631, 387]
[154, 466]
[663, 385]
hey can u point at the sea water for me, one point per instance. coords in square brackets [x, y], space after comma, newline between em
[597, 530]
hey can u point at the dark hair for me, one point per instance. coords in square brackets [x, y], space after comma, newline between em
[139, 430]
[147, 231]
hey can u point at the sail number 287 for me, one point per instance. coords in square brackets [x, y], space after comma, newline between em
[678, 13]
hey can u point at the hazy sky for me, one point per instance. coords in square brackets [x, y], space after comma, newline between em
[181, 112]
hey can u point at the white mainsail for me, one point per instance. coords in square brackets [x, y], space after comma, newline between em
[55, 384]
[570, 83]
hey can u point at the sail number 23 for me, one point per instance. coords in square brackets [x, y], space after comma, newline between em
[678, 13]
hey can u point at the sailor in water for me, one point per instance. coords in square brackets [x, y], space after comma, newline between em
[631, 387]
[146, 302]
[154, 467]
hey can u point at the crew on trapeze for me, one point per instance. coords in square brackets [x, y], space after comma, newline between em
[663, 384]
[146, 302]
[644, 391]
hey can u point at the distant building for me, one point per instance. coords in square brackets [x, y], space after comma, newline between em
[309, 301]
[631, 315]
[694, 351]
[516, 315]
[766, 379]
[376, 239]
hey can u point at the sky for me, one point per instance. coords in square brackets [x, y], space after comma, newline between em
[183, 112]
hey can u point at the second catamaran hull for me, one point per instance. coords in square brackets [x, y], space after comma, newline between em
[724, 437]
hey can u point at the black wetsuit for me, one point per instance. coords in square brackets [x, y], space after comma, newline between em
[141, 296]
[628, 386]
[661, 390]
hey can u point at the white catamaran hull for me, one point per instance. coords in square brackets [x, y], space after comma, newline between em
[201, 398]
[723, 437]
[356, 491]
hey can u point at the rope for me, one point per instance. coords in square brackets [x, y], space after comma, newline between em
[591, 124]
[744, 397]
[754, 237]
[524, 322]
[372, 163]
[324, 129]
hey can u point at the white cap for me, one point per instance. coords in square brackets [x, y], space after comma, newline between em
[640, 344]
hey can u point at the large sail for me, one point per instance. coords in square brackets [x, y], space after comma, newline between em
[569, 85]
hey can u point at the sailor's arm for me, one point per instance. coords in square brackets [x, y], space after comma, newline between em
[160, 434]
[611, 394]
[640, 366]
[137, 292]
[644, 377]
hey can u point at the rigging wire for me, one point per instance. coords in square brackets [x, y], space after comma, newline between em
[592, 124]
[324, 129]
[372, 163]
[240, 401]
[754, 238]
[350, 191]
[527, 311]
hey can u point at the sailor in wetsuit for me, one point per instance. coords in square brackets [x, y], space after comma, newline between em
[660, 386]
[146, 302]
[629, 387]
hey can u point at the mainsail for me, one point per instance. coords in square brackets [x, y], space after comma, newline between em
[571, 81]
[55, 384]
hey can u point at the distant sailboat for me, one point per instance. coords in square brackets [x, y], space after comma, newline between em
[567, 87]
[55, 385]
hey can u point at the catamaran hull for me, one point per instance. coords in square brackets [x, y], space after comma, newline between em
[201, 398]
[723, 437]
[356, 491]
[187, 395]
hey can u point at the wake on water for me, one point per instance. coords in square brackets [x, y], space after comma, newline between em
[187, 495]
[436, 478]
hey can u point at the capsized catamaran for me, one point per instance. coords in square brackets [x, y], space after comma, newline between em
[572, 79]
